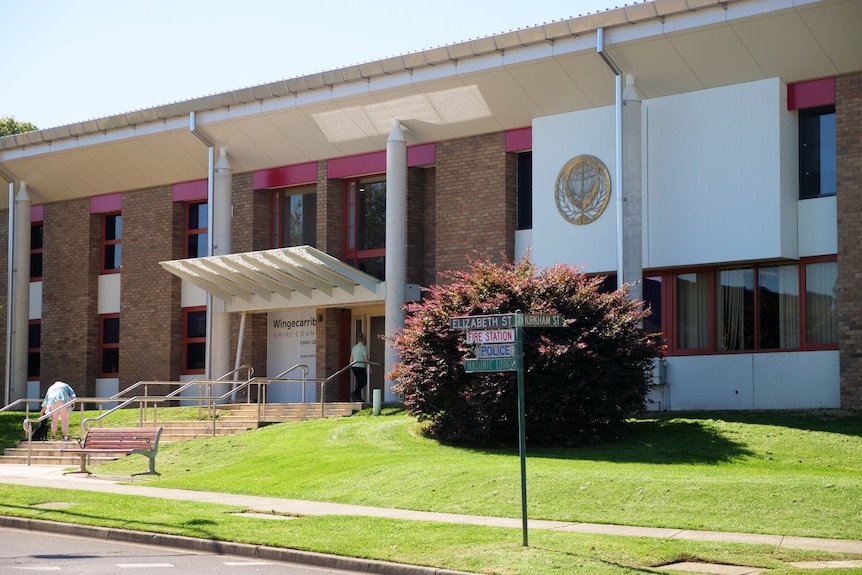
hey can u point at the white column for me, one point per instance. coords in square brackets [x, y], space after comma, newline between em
[21, 293]
[632, 191]
[396, 240]
[222, 217]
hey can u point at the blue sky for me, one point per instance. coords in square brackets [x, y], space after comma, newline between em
[65, 61]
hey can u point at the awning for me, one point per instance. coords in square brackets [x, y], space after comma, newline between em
[283, 278]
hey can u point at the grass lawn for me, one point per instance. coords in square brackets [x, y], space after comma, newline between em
[791, 473]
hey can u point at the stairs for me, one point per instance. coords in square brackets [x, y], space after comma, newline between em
[235, 418]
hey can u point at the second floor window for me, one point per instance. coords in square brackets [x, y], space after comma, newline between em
[197, 231]
[817, 152]
[112, 246]
[36, 249]
[365, 233]
[294, 217]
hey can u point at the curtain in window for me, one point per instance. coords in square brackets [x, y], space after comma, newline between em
[821, 316]
[731, 316]
[692, 311]
[778, 291]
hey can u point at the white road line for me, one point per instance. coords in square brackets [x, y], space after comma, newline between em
[142, 565]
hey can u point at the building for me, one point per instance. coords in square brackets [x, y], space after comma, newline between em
[707, 152]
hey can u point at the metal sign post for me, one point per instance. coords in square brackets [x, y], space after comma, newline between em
[499, 343]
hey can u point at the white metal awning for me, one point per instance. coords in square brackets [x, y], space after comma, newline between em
[278, 279]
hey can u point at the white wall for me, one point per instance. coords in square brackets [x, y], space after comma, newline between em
[290, 343]
[556, 140]
[109, 293]
[717, 188]
[789, 380]
[818, 230]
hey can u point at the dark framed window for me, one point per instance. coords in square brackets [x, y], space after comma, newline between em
[36, 250]
[365, 232]
[759, 307]
[197, 230]
[817, 152]
[525, 191]
[34, 350]
[294, 217]
[112, 243]
[109, 345]
[194, 340]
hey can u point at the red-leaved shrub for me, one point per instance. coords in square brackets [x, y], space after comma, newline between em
[582, 381]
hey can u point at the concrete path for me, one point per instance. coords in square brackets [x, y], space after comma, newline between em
[52, 476]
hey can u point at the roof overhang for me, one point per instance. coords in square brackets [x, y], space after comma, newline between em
[480, 86]
[279, 279]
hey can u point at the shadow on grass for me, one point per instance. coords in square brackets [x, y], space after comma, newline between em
[196, 526]
[844, 422]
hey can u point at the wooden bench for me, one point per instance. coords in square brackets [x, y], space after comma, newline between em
[125, 440]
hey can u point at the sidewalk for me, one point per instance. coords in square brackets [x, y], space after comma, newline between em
[52, 476]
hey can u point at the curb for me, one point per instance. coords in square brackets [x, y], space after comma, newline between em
[224, 547]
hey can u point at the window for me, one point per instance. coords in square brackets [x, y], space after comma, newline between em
[36, 249]
[753, 308]
[194, 340]
[365, 237]
[34, 350]
[525, 191]
[294, 217]
[817, 152]
[112, 247]
[197, 237]
[109, 345]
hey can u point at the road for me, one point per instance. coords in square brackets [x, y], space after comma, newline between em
[23, 551]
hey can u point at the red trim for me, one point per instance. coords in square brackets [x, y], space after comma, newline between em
[285, 176]
[359, 165]
[106, 203]
[37, 214]
[811, 94]
[423, 155]
[190, 191]
[519, 140]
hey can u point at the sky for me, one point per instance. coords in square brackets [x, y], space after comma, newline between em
[67, 61]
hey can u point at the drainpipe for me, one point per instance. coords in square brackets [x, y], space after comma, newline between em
[396, 249]
[618, 170]
[7, 391]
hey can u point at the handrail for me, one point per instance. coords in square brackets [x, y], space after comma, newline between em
[331, 377]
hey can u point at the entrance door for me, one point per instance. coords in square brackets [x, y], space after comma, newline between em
[373, 327]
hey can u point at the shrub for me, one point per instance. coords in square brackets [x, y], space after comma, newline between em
[582, 381]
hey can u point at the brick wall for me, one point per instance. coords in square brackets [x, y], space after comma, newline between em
[416, 223]
[475, 207]
[71, 265]
[848, 124]
[150, 314]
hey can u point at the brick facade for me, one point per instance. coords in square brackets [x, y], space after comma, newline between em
[70, 324]
[475, 206]
[150, 312]
[848, 129]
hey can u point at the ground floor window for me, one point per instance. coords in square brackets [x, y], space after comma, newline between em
[194, 340]
[109, 345]
[34, 349]
[758, 307]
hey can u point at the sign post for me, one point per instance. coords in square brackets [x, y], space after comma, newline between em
[499, 343]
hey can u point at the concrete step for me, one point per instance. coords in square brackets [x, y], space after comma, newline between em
[48, 453]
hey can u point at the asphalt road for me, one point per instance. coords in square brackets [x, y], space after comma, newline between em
[23, 551]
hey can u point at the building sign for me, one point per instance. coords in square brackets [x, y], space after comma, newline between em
[582, 190]
[291, 339]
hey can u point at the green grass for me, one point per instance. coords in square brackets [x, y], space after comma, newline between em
[790, 473]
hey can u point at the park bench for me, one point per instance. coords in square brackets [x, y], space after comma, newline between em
[119, 440]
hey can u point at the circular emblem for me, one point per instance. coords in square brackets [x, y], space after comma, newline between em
[583, 189]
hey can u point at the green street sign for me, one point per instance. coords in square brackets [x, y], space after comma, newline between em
[539, 320]
[496, 364]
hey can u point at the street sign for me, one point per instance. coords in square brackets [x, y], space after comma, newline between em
[540, 320]
[499, 364]
[492, 350]
[491, 336]
[468, 322]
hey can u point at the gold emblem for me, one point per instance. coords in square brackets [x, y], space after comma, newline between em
[583, 189]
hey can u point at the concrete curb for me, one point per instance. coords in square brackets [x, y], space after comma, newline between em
[224, 547]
